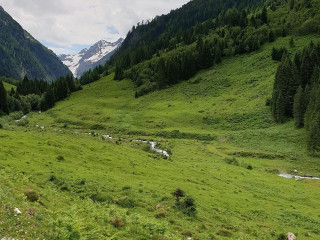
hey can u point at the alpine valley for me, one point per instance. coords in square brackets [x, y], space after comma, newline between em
[204, 124]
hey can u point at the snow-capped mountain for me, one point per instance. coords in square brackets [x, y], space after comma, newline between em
[87, 59]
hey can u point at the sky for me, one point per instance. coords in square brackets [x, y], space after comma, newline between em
[68, 26]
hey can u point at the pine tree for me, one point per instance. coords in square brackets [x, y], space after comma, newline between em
[264, 16]
[161, 74]
[3, 99]
[271, 36]
[292, 3]
[278, 108]
[118, 73]
[253, 22]
[299, 107]
[291, 42]
[312, 121]
[70, 83]
[284, 89]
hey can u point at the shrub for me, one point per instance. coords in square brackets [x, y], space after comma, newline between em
[232, 161]
[117, 222]
[23, 123]
[178, 193]
[187, 206]
[100, 197]
[125, 188]
[268, 102]
[282, 236]
[60, 158]
[161, 213]
[184, 203]
[31, 195]
[126, 202]
[97, 127]
[52, 178]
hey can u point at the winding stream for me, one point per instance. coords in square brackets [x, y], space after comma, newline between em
[290, 176]
[152, 144]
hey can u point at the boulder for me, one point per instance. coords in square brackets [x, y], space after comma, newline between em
[291, 236]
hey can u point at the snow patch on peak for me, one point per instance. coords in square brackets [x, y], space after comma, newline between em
[87, 59]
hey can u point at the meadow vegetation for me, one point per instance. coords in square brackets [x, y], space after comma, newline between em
[226, 153]
[60, 178]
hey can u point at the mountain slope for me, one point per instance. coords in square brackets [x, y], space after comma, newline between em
[226, 101]
[225, 154]
[87, 59]
[21, 54]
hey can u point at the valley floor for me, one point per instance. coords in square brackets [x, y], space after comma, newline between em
[226, 153]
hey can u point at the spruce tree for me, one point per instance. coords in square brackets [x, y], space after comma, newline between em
[3, 99]
[161, 74]
[312, 121]
[118, 73]
[278, 107]
[292, 3]
[264, 16]
[284, 89]
[271, 36]
[299, 108]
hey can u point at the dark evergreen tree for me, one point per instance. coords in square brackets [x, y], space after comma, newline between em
[3, 99]
[312, 121]
[70, 82]
[264, 16]
[161, 74]
[253, 21]
[118, 73]
[271, 36]
[285, 85]
[292, 3]
[299, 107]
[278, 107]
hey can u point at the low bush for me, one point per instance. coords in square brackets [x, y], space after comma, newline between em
[60, 158]
[31, 195]
[232, 161]
[185, 203]
[97, 127]
[126, 202]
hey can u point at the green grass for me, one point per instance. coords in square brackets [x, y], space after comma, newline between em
[215, 125]
[8, 86]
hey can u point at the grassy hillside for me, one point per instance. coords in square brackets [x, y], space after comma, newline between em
[8, 86]
[226, 154]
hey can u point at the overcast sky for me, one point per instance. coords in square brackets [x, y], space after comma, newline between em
[68, 26]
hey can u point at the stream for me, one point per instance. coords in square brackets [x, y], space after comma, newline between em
[151, 143]
[290, 176]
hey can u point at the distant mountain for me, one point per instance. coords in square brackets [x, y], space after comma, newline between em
[21, 54]
[87, 59]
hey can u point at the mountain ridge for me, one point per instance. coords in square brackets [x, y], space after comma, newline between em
[21, 54]
[87, 59]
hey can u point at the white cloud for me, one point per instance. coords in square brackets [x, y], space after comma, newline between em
[66, 23]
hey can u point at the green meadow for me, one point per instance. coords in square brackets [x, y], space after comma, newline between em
[226, 152]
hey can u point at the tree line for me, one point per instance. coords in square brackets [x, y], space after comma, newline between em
[233, 32]
[296, 92]
[36, 95]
